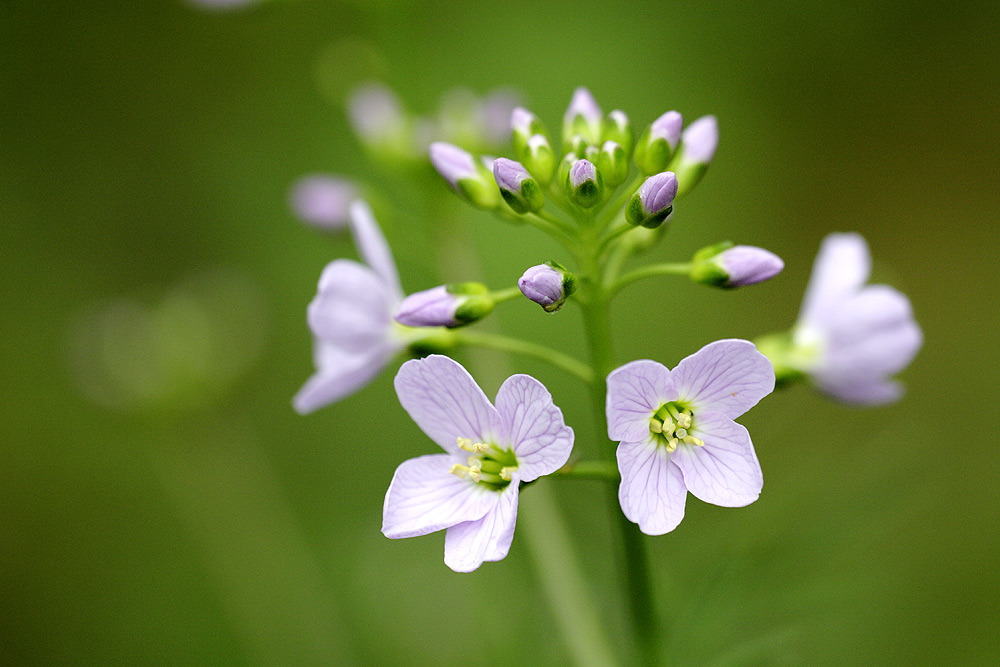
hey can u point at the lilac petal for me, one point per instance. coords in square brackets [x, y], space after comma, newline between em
[727, 376]
[467, 545]
[445, 402]
[725, 471]
[534, 427]
[864, 391]
[433, 307]
[700, 140]
[423, 498]
[652, 493]
[323, 200]
[339, 374]
[874, 334]
[635, 391]
[841, 268]
[583, 104]
[373, 248]
[351, 308]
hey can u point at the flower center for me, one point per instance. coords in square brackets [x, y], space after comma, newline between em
[489, 465]
[671, 424]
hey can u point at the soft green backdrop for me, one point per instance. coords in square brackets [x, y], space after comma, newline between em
[160, 503]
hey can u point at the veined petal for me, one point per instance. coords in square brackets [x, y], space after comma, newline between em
[725, 471]
[467, 545]
[445, 402]
[727, 376]
[351, 308]
[652, 492]
[340, 374]
[841, 268]
[373, 248]
[423, 498]
[635, 391]
[533, 426]
[863, 391]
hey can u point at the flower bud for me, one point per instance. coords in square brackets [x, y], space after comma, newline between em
[323, 201]
[446, 306]
[523, 126]
[612, 162]
[562, 175]
[726, 265]
[618, 129]
[583, 117]
[548, 285]
[697, 149]
[380, 122]
[658, 142]
[578, 144]
[465, 175]
[539, 159]
[518, 188]
[584, 183]
[654, 201]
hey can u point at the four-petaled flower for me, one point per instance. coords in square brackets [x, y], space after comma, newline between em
[351, 317]
[472, 489]
[677, 434]
[850, 338]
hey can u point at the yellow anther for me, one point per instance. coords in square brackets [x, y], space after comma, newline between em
[668, 428]
[655, 425]
[475, 471]
[474, 447]
[684, 420]
[691, 440]
[506, 471]
[459, 470]
[464, 443]
[672, 445]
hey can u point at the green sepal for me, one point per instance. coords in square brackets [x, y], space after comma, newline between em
[635, 214]
[620, 133]
[612, 162]
[588, 193]
[779, 349]
[539, 159]
[474, 308]
[652, 157]
[529, 200]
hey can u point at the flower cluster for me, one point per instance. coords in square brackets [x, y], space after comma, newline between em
[604, 193]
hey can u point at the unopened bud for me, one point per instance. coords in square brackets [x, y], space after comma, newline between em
[539, 159]
[446, 306]
[612, 162]
[654, 201]
[584, 183]
[523, 126]
[583, 117]
[468, 177]
[726, 265]
[658, 142]
[698, 144]
[548, 285]
[618, 129]
[518, 188]
[380, 121]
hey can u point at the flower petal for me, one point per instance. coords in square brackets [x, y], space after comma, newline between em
[467, 545]
[635, 391]
[534, 427]
[373, 248]
[652, 492]
[841, 268]
[340, 374]
[445, 402]
[725, 471]
[423, 498]
[352, 308]
[864, 391]
[727, 376]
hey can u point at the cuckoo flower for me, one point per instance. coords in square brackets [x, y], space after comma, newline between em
[351, 318]
[323, 201]
[850, 338]
[471, 490]
[677, 434]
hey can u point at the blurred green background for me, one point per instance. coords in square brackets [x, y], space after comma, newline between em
[161, 503]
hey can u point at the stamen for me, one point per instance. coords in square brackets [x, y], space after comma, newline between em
[506, 471]
[681, 433]
[691, 440]
[469, 446]
[475, 471]
[668, 428]
[684, 420]
[655, 425]
[459, 470]
[672, 445]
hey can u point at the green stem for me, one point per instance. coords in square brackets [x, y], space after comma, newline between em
[602, 470]
[557, 232]
[557, 221]
[501, 295]
[517, 346]
[635, 567]
[612, 234]
[561, 578]
[648, 271]
[617, 204]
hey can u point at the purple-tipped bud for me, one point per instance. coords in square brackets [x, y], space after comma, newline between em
[376, 114]
[618, 129]
[654, 201]
[656, 145]
[446, 306]
[495, 112]
[583, 117]
[518, 188]
[584, 183]
[523, 126]
[459, 168]
[726, 265]
[521, 121]
[323, 201]
[700, 140]
[548, 285]
[612, 162]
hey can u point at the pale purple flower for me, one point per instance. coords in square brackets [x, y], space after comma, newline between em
[446, 306]
[700, 140]
[850, 337]
[737, 266]
[548, 285]
[471, 490]
[351, 317]
[582, 117]
[668, 127]
[323, 201]
[453, 163]
[677, 434]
